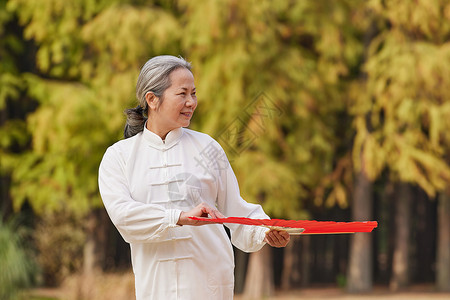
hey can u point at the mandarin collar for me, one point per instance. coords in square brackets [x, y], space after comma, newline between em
[157, 142]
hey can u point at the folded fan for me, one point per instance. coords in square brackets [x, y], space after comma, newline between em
[311, 227]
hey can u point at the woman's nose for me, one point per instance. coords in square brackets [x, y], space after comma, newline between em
[192, 101]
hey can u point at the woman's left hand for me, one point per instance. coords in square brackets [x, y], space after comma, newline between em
[277, 238]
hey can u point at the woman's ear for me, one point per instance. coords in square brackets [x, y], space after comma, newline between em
[152, 100]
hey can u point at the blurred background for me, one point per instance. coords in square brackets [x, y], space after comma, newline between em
[327, 110]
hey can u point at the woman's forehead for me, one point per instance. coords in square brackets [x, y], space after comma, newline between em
[182, 78]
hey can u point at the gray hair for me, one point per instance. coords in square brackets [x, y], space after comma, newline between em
[154, 77]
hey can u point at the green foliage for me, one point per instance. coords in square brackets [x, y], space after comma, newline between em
[404, 127]
[283, 50]
[92, 59]
[10, 87]
[10, 45]
[61, 167]
[354, 85]
[18, 269]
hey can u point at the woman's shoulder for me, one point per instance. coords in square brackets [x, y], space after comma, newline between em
[127, 142]
[124, 146]
[198, 135]
[201, 138]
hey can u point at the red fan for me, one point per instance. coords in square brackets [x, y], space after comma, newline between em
[299, 227]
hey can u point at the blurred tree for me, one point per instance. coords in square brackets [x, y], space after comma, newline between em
[92, 50]
[79, 58]
[59, 238]
[88, 56]
[360, 269]
[14, 58]
[285, 119]
[403, 210]
[401, 115]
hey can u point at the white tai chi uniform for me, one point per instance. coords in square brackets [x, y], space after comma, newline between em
[146, 182]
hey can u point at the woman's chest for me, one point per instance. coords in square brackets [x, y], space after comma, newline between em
[176, 178]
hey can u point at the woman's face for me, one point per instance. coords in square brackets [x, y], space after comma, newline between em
[178, 106]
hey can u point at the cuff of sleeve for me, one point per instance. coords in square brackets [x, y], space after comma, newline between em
[260, 235]
[173, 217]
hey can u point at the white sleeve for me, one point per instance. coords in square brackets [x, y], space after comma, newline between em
[137, 222]
[245, 237]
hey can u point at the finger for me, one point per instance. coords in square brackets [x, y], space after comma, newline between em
[274, 243]
[286, 240]
[204, 210]
[270, 239]
[285, 235]
[214, 213]
[219, 214]
[208, 212]
[276, 237]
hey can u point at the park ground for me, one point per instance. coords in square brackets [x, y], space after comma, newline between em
[304, 294]
[121, 286]
[329, 293]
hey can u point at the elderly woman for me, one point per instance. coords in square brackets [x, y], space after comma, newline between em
[162, 173]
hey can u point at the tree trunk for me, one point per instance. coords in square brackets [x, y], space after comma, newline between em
[96, 247]
[90, 261]
[443, 244]
[423, 246]
[360, 261]
[400, 263]
[259, 281]
[5, 198]
[305, 260]
[288, 266]
[360, 269]
[94, 251]
[291, 276]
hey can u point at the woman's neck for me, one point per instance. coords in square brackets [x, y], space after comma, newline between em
[162, 133]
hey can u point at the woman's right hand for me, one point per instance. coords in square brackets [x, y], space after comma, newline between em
[201, 210]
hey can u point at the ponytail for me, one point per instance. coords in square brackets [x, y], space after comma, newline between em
[135, 121]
